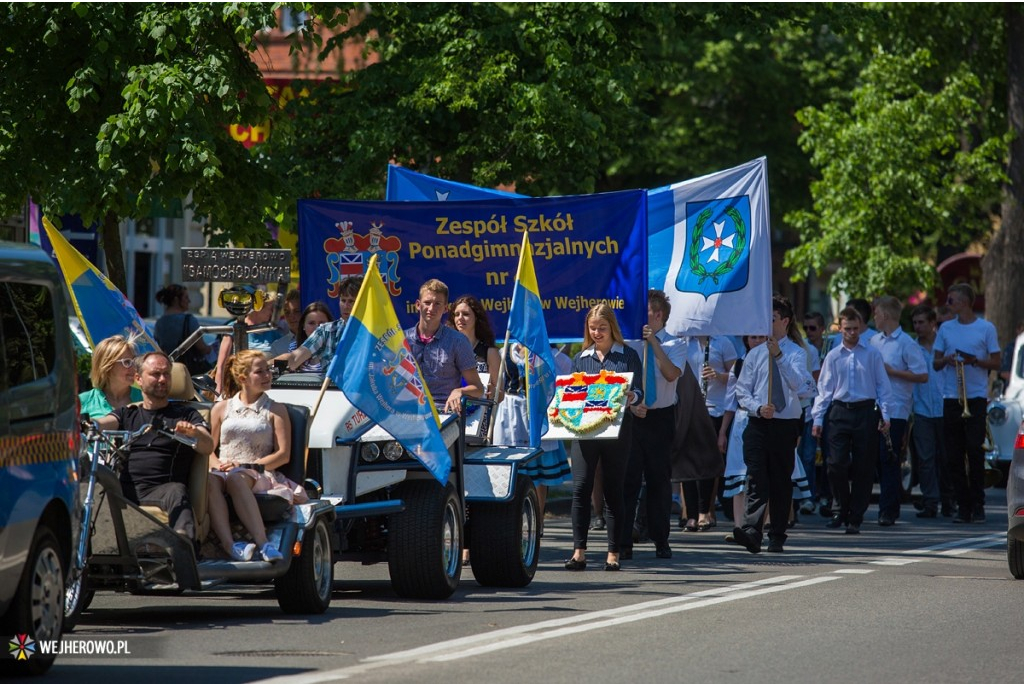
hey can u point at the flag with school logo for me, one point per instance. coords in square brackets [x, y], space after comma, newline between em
[526, 325]
[102, 310]
[716, 228]
[406, 185]
[375, 368]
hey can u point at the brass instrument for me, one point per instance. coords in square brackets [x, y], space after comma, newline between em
[961, 385]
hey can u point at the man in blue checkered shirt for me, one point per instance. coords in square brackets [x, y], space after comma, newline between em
[322, 342]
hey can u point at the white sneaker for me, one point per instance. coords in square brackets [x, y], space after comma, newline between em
[243, 551]
[270, 552]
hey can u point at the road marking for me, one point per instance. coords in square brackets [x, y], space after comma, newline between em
[855, 571]
[945, 549]
[507, 638]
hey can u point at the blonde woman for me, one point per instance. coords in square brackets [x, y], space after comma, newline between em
[251, 438]
[112, 375]
[604, 349]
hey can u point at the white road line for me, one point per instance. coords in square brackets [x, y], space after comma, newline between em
[507, 638]
[945, 549]
[855, 571]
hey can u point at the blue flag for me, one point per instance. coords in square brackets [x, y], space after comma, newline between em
[406, 185]
[526, 325]
[376, 370]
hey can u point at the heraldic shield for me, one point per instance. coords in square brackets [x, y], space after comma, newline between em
[584, 403]
[717, 257]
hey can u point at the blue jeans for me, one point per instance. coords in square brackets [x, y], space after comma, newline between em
[806, 449]
[928, 443]
[890, 476]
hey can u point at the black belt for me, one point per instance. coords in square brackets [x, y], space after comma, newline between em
[862, 404]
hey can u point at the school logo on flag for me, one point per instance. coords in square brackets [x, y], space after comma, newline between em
[399, 376]
[718, 249]
[348, 253]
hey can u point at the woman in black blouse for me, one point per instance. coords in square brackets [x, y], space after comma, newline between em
[604, 348]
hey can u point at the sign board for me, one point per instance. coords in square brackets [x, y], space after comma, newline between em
[233, 265]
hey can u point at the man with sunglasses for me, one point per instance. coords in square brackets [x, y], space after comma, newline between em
[972, 342]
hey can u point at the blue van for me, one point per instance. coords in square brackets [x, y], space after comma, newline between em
[39, 445]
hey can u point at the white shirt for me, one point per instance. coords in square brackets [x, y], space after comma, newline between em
[720, 353]
[675, 349]
[752, 384]
[903, 354]
[852, 375]
[928, 396]
[977, 338]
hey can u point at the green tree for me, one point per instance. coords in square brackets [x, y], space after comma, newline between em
[110, 109]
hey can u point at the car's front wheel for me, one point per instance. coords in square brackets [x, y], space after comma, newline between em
[425, 541]
[37, 613]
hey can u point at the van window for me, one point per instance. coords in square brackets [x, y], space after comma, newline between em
[26, 315]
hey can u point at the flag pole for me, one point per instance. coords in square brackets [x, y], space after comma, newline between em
[500, 388]
[643, 385]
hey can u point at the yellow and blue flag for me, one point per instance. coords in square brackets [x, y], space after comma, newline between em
[526, 325]
[102, 309]
[375, 368]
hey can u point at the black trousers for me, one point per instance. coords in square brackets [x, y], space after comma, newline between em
[769, 450]
[172, 498]
[612, 456]
[965, 451]
[853, 453]
[650, 460]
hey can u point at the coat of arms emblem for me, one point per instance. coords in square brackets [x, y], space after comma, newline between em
[585, 401]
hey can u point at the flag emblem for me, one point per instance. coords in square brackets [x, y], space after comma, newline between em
[717, 253]
[585, 401]
[399, 374]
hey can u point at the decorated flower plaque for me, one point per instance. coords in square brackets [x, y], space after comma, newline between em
[588, 404]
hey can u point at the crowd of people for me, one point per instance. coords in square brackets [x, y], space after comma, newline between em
[787, 424]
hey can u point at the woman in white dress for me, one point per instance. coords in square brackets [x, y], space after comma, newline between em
[251, 437]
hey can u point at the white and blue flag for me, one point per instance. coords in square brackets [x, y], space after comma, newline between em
[716, 229]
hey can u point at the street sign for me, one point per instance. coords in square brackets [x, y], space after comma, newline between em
[222, 264]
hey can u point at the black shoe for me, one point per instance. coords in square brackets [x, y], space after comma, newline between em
[825, 510]
[741, 538]
[626, 554]
[947, 510]
[611, 565]
[775, 547]
[979, 515]
[598, 523]
[927, 514]
[572, 564]
[853, 529]
[662, 552]
[885, 520]
[962, 518]
[836, 522]
[681, 522]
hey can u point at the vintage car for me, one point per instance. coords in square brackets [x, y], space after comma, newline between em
[1005, 414]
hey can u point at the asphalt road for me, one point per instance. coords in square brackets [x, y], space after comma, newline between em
[925, 601]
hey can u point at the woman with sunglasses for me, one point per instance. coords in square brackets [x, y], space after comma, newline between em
[112, 375]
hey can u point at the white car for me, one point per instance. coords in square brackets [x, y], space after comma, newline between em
[1005, 414]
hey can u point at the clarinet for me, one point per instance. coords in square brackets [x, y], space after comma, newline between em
[707, 364]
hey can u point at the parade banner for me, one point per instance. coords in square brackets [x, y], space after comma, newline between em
[405, 185]
[716, 229]
[587, 249]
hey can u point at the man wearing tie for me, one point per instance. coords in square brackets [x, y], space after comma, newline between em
[768, 388]
[853, 379]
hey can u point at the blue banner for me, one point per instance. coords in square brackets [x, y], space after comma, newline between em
[587, 249]
[405, 185]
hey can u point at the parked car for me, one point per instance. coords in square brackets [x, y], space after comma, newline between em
[1015, 510]
[1005, 414]
[39, 443]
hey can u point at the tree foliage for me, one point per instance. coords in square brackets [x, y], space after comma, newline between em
[110, 109]
[896, 178]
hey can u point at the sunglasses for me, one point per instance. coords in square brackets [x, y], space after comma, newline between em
[126, 363]
[811, 329]
[950, 300]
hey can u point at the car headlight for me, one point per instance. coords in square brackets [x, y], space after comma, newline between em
[393, 451]
[996, 414]
[370, 452]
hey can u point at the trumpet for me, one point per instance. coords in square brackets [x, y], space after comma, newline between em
[961, 385]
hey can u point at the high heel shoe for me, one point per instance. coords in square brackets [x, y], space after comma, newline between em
[573, 564]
